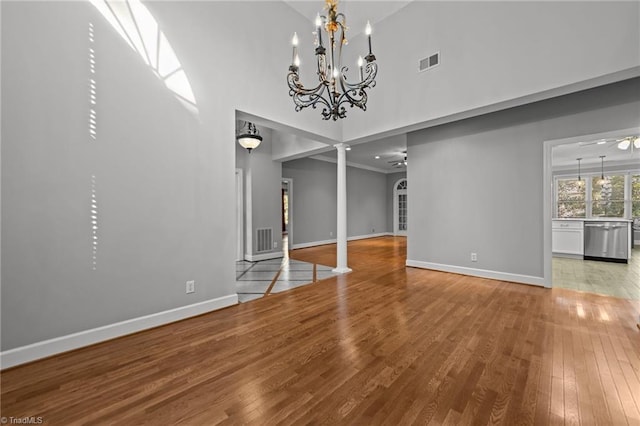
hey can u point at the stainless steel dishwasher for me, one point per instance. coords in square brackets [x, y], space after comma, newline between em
[607, 241]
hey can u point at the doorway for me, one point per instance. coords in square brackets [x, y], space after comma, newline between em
[287, 214]
[578, 188]
[400, 208]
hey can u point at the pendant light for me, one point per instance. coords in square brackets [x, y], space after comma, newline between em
[580, 181]
[248, 136]
[602, 179]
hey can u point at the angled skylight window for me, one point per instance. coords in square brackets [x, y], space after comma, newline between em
[135, 24]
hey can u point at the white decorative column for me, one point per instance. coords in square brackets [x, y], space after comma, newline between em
[341, 235]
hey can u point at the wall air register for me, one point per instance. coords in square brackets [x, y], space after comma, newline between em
[264, 236]
[429, 62]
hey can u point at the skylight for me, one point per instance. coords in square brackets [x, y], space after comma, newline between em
[135, 24]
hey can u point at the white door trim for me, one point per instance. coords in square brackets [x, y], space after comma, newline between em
[239, 215]
[548, 195]
[290, 218]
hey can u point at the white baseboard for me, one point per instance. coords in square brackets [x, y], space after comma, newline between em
[263, 256]
[568, 256]
[333, 241]
[364, 237]
[482, 273]
[313, 244]
[69, 342]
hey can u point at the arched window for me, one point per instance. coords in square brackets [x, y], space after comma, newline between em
[135, 24]
[400, 207]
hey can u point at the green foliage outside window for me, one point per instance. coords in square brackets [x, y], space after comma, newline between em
[607, 196]
[571, 198]
[635, 196]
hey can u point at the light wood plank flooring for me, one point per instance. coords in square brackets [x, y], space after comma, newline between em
[384, 344]
[611, 279]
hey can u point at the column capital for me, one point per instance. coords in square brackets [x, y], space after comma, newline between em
[341, 146]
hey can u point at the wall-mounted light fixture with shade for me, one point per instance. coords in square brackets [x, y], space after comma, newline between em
[248, 136]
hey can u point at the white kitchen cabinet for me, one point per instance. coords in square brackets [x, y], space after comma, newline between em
[567, 237]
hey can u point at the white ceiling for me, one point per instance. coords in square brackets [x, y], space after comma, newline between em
[356, 12]
[590, 152]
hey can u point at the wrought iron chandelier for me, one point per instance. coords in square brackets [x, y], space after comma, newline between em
[334, 90]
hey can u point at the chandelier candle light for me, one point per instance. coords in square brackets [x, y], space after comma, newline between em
[333, 90]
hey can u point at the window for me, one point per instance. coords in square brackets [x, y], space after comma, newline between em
[635, 196]
[400, 212]
[139, 29]
[618, 195]
[571, 198]
[607, 196]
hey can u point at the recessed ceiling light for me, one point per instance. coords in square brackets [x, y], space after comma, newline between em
[602, 142]
[377, 157]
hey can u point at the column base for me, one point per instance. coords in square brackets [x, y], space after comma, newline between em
[344, 270]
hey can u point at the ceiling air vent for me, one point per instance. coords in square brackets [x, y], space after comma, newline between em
[429, 62]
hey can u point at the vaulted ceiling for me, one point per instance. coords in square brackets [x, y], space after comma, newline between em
[357, 12]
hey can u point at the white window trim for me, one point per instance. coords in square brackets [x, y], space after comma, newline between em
[587, 177]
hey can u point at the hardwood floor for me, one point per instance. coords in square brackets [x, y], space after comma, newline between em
[384, 344]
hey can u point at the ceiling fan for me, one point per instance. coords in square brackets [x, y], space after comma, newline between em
[596, 142]
[630, 142]
[400, 163]
[622, 144]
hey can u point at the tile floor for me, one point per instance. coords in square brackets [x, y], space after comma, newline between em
[612, 279]
[253, 279]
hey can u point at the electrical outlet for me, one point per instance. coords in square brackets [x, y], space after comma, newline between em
[331, 233]
[191, 286]
[373, 230]
[275, 244]
[474, 257]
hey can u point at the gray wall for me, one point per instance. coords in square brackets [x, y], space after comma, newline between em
[262, 191]
[164, 178]
[366, 202]
[149, 184]
[314, 200]
[491, 52]
[476, 185]
[392, 178]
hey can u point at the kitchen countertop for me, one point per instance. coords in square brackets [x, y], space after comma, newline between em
[595, 219]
